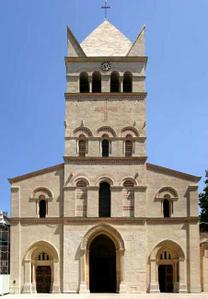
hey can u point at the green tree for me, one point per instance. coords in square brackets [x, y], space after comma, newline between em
[203, 201]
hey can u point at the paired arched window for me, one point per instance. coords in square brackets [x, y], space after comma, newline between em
[166, 208]
[96, 82]
[43, 256]
[127, 82]
[105, 148]
[82, 146]
[115, 82]
[84, 83]
[128, 146]
[42, 207]
[165, 255]
[104, 200]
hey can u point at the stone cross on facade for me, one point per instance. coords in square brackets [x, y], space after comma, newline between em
[105, 109]
[106, 7]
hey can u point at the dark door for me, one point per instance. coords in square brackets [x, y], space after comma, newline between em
[43, 279]
[166, 278]
[102, 265]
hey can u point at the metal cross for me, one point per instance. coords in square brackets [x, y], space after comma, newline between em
[106, 7]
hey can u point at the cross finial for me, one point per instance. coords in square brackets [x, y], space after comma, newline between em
[106, 7]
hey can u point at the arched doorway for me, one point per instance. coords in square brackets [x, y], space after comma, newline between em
[102, 265]
[41, 268]
[167, 268]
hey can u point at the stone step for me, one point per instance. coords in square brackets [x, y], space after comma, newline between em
[108, 296]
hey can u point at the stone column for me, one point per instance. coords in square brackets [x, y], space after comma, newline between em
[205, 270]
[182, 277]
[121, 84]
[154, 286]
[56, 279]
[33, 279]
[83, 283]
[90, 84]
[122, 285]
[27, 288]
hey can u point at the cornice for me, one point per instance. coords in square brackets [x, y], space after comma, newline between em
[92, 138]
[35, 173]
[168, 171]
[95, 220]
[107, 58]
[110, 96]
[103, 160]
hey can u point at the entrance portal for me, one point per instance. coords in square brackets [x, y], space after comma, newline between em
[43, 279]
[166, 278]
[102, 265]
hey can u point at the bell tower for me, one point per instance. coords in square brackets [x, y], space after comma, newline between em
[105, 120]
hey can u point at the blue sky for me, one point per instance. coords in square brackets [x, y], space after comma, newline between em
[32, 79]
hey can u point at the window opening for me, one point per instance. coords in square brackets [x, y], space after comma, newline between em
[105, 148]
[115, 82]
[166, 208]
[127, 82]
[104, 200]
[82, 147]
[42, 208]
[96, 82]
[84, 83]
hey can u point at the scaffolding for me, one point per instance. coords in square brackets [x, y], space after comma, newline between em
[4, 244]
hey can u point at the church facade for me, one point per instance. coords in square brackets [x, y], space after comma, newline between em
[106, 220]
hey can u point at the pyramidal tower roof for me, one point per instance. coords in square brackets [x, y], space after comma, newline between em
[106, 40]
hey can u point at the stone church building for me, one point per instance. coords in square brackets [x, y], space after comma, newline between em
[106, 220]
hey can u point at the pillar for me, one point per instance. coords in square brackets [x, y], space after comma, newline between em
[194, 258]
[90, 84]
[154, 286]
[121, 84]
[122, 285]
[92, 201]
[56, 278]
[205, 269]
[182, 276]
[83, 284]
[116, 201]
[27, 288]
[33, 279]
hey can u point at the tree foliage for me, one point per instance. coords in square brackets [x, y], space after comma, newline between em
[203, 201]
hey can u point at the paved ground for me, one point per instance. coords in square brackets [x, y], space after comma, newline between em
[107, 296]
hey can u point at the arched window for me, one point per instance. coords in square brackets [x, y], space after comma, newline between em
[127, 82]
[96, 82]
[104, 200]
[105, 148]
[42, 208]
[166, 208]
[115, 82]
[82, 146]
[84, 82]
[128, 146]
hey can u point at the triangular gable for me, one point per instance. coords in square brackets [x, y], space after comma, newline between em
[74, 48]
[138, 48]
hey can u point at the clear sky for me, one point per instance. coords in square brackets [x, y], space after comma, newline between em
[32, 79]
